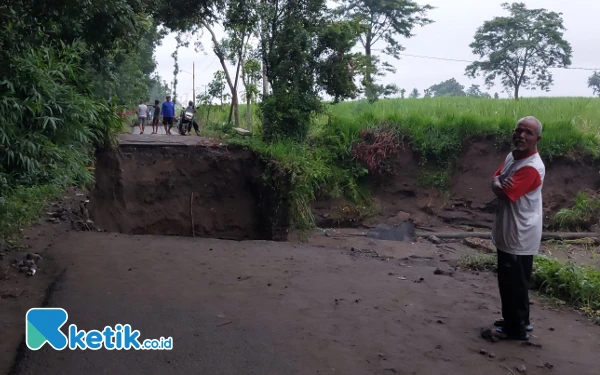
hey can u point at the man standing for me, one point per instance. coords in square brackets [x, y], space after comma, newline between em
[168, 113]
[517, 229]
[156, 117]
[142, 113]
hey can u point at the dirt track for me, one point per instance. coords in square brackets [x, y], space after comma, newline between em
[284, 308]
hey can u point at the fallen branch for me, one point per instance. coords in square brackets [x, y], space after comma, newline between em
[487, 235]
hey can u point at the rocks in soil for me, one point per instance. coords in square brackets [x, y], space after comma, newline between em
[522, 369]
[487, 334]
[480, 244]
[28, 265]
[34, 257]
[442, 272]
[434, 239]
[483, 352]
[32, 270]
[83, 225]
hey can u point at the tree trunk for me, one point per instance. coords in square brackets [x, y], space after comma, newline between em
[517, 92]
[368, 77]
[221, 58]
[263, 36]
[248, 113]
[235, 106]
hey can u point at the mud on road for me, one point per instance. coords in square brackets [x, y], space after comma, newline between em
[334, 305]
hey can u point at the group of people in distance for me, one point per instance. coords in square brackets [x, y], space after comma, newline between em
[167, 111]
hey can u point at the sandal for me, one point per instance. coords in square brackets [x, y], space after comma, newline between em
[499, 334]
[500, 323]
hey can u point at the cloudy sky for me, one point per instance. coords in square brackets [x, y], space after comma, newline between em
[455, 23]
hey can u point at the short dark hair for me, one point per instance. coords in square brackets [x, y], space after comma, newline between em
[156, 101]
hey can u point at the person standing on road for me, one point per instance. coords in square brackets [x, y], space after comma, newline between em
[517, 229]
[156, 117]
[142, 113]
[168, 113]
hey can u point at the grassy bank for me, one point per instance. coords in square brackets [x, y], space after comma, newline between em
[437, 128]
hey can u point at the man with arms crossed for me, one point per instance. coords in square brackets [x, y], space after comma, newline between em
[517, 230]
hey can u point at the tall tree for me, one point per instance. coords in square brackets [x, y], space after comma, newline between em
[594, 83]
[414, 93]
[450, 87]
[216, 87]
[306, 52]
[383, 20]
[402, 92]
[251, 75]
[520, 48]
[240, 19]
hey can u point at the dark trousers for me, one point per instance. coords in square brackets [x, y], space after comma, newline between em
[514, 278]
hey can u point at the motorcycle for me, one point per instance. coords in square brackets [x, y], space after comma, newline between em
[185, 122]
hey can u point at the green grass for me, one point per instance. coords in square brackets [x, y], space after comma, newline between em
[438, 127]
[584, 213]
[23, 206]
[576, 285]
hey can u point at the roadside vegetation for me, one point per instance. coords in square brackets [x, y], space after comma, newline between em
[68, 89]
[576, 285]
[348, 145]
[584, 213]
[69, 70]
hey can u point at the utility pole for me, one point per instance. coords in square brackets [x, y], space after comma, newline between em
[194, 81]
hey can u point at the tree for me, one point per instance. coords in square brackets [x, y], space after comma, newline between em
[520, 49]
[402, 92]
[475, 92]
[306, 52]
[414, 93]
[427, 93]
[447, 88]
[496, 96]
[594, 83]
[383, 20]
[251, 74]
[216, 87]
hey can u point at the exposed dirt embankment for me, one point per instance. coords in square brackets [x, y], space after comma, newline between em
[206, 191]
[469, 200]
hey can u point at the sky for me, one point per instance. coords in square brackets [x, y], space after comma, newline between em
[455, 24]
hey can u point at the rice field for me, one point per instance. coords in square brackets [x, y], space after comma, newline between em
[583, 113]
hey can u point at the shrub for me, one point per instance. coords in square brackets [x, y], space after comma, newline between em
[584, 213]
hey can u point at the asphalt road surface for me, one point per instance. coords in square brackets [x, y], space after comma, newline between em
[282, 308]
